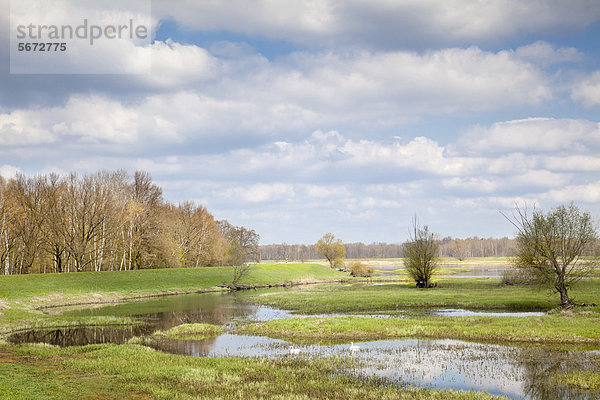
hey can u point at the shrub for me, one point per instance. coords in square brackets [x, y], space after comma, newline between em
[359, 269]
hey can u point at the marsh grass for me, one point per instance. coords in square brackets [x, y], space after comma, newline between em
[466, 293]
[132, 371]
[190, 332]
[581, 380]
[548, 329]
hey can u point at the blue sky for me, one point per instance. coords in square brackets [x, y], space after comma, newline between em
[295, 118]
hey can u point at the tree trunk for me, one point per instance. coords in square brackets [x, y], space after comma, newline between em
[565, 301]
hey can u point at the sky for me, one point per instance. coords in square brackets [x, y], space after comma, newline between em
[300, 117]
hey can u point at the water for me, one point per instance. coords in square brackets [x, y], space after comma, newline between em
[463, 271]
[520, 373]
[468, 313]
[161, 313]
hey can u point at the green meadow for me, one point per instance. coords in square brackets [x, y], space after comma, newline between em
[133, 371]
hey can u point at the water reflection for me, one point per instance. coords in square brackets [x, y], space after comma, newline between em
[158, 314]
[539, 367]
[81, 336]
[226, 345]
[167, 312]
[519, 373]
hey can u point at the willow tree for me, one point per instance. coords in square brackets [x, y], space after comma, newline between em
[332, 249]
[555, 246]
[421, 254]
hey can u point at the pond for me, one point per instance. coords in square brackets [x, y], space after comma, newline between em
[517, 372]
[520, 373]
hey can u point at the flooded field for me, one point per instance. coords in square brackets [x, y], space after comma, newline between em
[457, 270]
[517, 372]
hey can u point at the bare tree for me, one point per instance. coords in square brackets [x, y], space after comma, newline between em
[242, 247]
[420, 254]
[105, 221]
[459, 250]
[27, 193]
[332, 249]
[248, 239]
[195, 235]
[7, 221]
[554, 246]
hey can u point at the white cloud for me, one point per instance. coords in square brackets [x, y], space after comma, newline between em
[589, 193]
[526, 180]
[375, 22]
[533, 135]
[176, 65]
[544, 53]
[392, 85]
[94, 119]
[587, 91]
[21, 128]
[8, 171]
[326, 192]
[305, 92]
[584, 163]
[261, 192]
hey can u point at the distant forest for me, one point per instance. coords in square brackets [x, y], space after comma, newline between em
[449, 247]
[109, 221]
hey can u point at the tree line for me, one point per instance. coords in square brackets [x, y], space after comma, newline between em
[448, 247]
[109, 221]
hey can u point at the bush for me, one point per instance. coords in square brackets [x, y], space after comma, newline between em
[359, 269]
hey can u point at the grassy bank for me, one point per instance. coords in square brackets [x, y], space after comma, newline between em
[581, 328]
[25, 287]
[22, 297]
[136, 372]
[467, 293]
[190, 332]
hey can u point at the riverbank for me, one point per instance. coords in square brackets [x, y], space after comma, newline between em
[36, 301]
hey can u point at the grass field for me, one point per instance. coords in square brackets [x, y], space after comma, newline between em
[136, 372]
[190, 332]
[25, 287]
[22, 297]
[559, 328]
[468, 293]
